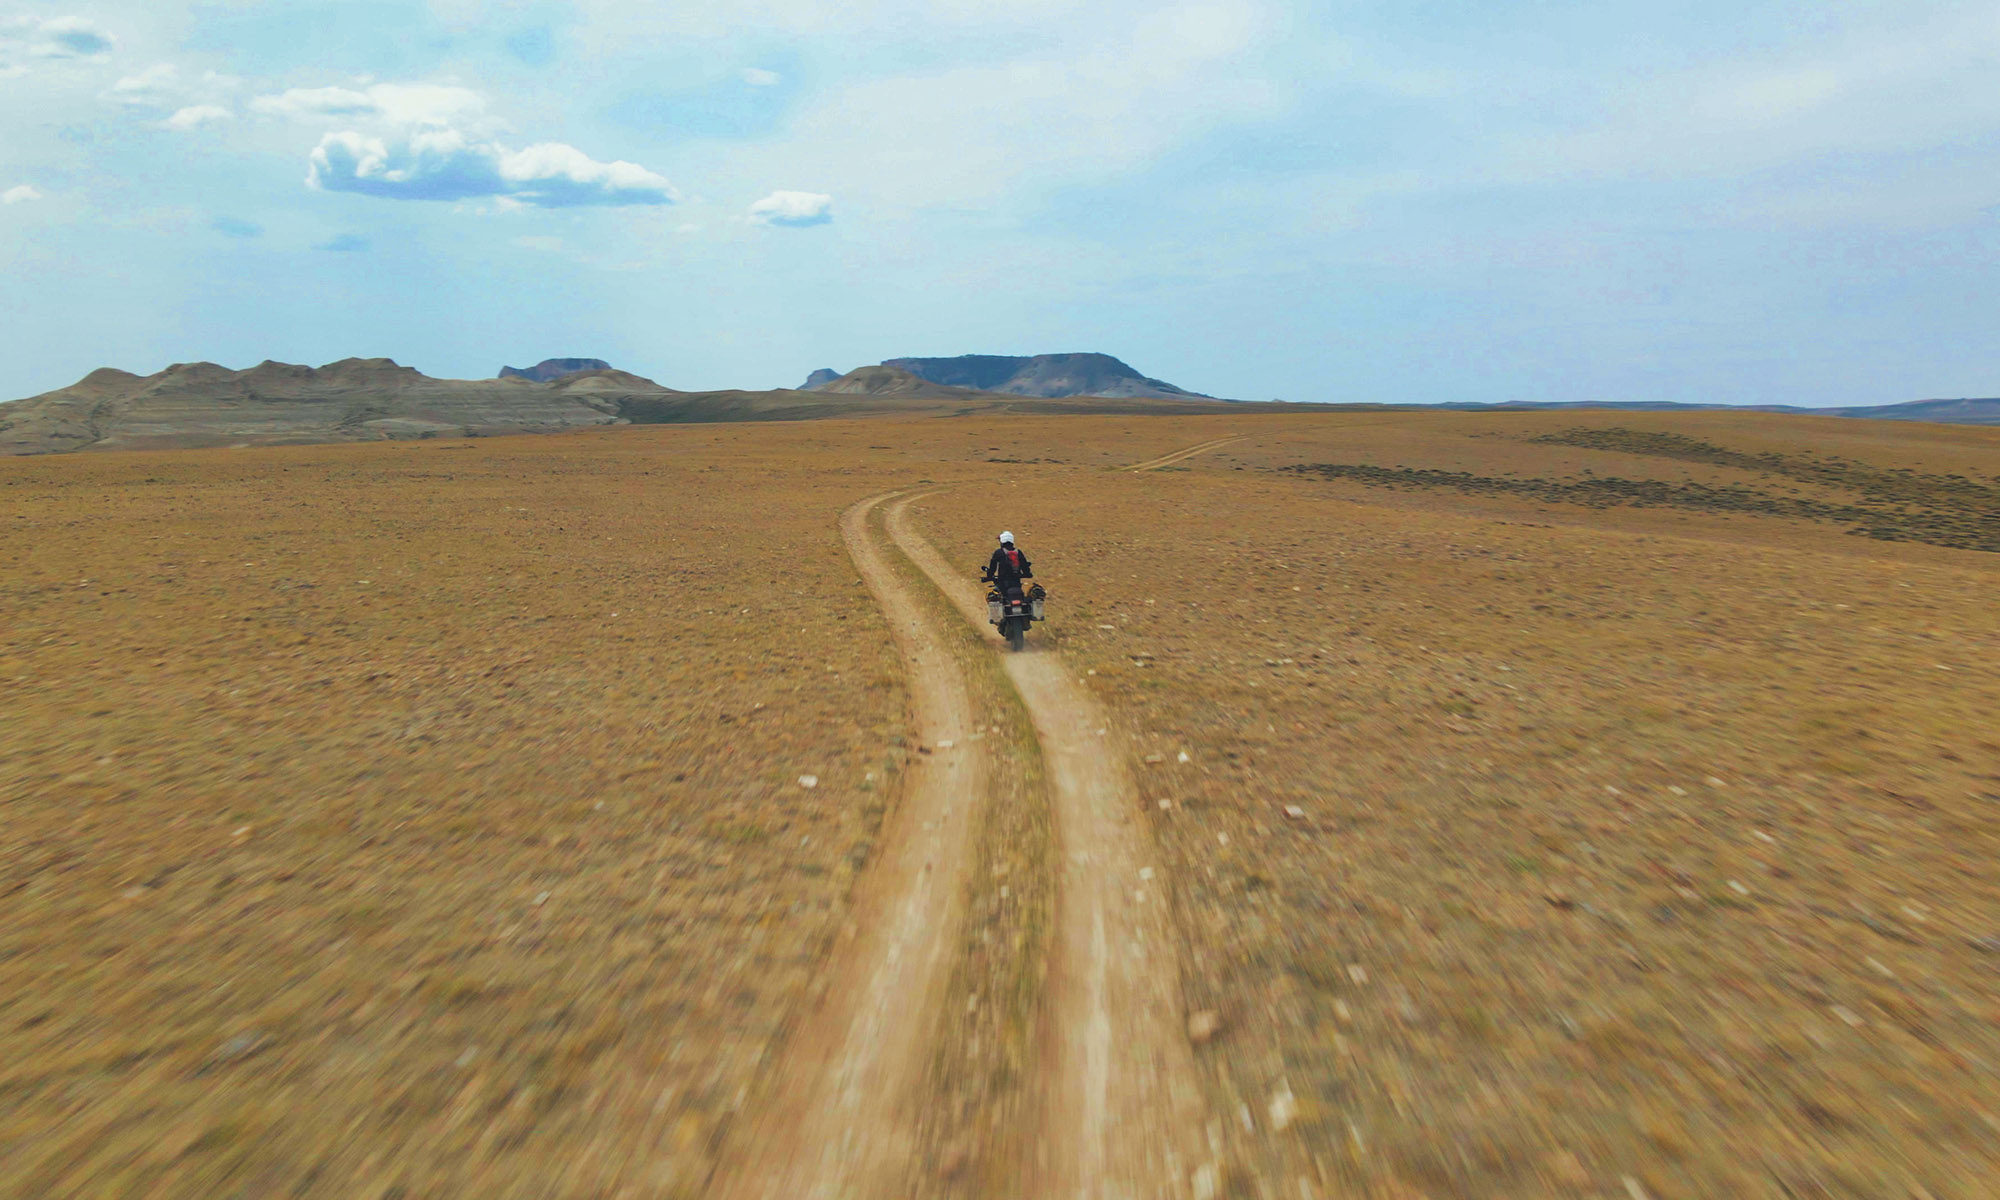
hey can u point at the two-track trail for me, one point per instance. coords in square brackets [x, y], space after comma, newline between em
[1121, 1111]
[841, 1113]
[1182, 455]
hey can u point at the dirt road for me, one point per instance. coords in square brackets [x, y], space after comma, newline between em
[1121, 1112]
[839, 1118]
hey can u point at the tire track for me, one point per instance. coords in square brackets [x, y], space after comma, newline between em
[841, 1108]
[1168, 460]
[1121, 1110]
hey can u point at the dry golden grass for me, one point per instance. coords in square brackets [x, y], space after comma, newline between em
[1648, 843]
[403, 820]
[1526, 849]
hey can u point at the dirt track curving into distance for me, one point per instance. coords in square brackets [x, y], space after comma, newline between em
[1122, 1114]
[840, 1115]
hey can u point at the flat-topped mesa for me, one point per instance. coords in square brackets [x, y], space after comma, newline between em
[1048, 376]
[550, 369]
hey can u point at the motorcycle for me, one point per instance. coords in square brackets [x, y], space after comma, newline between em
[1014, 612]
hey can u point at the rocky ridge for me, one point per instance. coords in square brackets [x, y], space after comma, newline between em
[356, 399]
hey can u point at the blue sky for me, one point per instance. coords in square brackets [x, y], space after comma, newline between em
[1416, 201]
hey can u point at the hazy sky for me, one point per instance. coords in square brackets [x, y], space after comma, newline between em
[1417, 200]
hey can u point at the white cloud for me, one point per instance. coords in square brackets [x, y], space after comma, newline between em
[19, 194]
[552, 174]
[73, 37]
[165, 85]
[61, 37]
[759, 77]
[795, 209]
[1870, 91]
[446, 164]
[196, 115]
[149, 88]
[1089, 100]
[316, 102]
[391, 103]
[1090, 90]
[435, 141]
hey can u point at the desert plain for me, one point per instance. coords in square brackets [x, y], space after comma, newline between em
[1507, 804]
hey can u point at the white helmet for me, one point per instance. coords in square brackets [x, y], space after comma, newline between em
[1007, 539]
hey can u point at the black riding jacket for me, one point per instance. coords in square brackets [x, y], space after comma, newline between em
[1001, 570]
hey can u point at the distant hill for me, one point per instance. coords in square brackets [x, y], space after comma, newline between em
[888, 381]
[202, 404]
[356, 399]
[1046, 375]
[550, 369]
[1954, 412]
[819, 379]
[367, 399]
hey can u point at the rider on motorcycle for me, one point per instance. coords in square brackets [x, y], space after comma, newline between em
[1008, 567]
